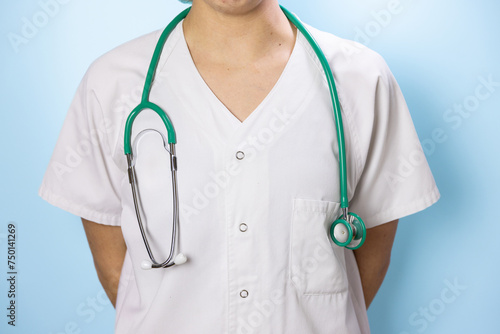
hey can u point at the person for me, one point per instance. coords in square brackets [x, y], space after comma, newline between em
[257, 173]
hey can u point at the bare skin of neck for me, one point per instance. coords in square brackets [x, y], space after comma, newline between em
[240, 48]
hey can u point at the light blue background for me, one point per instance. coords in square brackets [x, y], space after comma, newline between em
[437, 51]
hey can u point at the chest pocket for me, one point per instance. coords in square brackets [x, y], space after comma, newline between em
[317, 265]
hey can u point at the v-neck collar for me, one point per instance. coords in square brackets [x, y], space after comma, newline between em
[210, 94]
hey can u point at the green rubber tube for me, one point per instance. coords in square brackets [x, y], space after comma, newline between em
[130, 120]
[344, 202]
[145, 104]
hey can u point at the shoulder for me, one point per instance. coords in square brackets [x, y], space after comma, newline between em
[367, 91]
[112, 87]
[350, 58]
[123, 61]
[361, 74]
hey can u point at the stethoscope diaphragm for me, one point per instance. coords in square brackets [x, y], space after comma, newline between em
[348, 232]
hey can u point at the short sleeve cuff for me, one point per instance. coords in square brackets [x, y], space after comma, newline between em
[403, 211]
[78, 209]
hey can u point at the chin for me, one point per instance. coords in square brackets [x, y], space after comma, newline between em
[234, 6]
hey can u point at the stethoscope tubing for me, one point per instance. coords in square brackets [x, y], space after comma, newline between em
[175, 221]
[171, 136]
[344, 202]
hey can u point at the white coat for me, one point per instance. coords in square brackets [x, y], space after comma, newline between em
[255, 229]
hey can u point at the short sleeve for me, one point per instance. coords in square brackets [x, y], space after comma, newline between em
[81, 177]
[395, 179]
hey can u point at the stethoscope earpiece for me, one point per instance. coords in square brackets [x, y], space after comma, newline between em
[180, 259]
[146, 264]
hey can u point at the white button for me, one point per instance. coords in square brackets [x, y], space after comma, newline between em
[244, 294]
[243, 227]
[240, 155]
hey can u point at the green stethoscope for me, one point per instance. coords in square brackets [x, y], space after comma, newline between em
[348, 230]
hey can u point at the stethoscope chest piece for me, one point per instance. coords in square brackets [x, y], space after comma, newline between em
[348, 231]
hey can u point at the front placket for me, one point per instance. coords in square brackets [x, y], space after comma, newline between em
[246, 206]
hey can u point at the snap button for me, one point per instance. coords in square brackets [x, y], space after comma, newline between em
[240, 155]
[244, 294]
[243, 227]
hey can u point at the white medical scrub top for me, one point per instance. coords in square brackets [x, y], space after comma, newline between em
[257, 197]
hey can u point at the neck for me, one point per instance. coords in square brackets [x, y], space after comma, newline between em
[237, 33]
